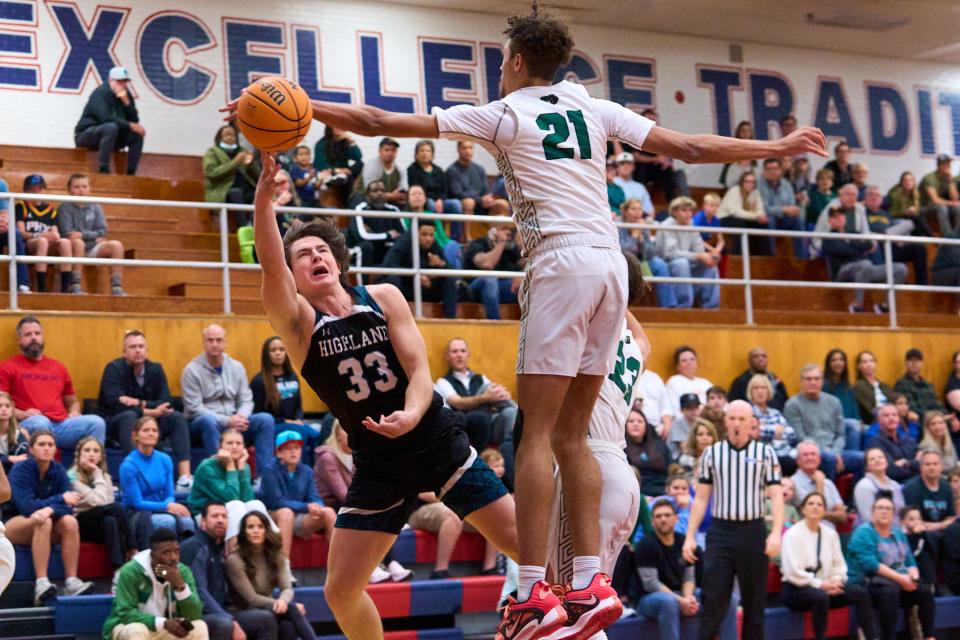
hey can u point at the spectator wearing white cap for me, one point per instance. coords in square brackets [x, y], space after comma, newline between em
[110, 122]
[632, 188]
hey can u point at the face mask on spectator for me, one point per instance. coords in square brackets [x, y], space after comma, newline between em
[228, 147]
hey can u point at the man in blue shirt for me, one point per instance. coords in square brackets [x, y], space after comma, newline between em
[291, 495]
[632, 188]
[780, 202]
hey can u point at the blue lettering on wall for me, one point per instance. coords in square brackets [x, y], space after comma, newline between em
[372, 79]
[437, 80]
[771, 99]
[86, 47]
[14, 75]
[630, 82]
[881, 98]
[17, 12]
[492, 59]
[183, 86]
[721, 81]
[928, 145]
[580, 69]
[307, 54]
[242, 66]
[952, 100]
[833, 114]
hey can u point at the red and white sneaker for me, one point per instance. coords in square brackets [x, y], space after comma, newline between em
[537, 617]
[589, 610]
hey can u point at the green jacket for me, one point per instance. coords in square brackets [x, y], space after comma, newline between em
[219, 171]
[140, 598]
[213, 483]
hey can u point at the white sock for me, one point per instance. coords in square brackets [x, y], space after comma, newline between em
[584, 568]
[527, 576]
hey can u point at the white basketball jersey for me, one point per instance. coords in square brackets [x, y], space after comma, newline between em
[550, 144]
[609, 418]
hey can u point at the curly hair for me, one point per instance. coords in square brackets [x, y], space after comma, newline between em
[327, 231]
[542, 38]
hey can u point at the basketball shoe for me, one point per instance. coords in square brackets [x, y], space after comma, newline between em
[536, 617]
[589, 610]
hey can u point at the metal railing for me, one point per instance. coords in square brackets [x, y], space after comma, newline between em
[224, 265]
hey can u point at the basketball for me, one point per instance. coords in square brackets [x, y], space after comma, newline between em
[274, 114]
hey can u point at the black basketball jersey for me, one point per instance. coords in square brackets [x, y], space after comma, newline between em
[353, 368]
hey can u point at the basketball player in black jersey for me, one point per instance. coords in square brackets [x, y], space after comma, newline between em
[359, 349]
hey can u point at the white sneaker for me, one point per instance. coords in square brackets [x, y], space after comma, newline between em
[24, 289]
[77, 587]
[397, 572]
[184, 483]
[379, 575]
[43, 591]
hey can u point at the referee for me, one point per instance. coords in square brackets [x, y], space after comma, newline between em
[740, 472]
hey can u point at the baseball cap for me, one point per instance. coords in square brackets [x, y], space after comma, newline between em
[119, 73]
[689, 400]
[286, 437]
[389, 141]
[33, 180]
[943, 158]
[914, 354]
[626, 156]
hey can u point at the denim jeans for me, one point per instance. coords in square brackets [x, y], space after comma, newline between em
[664, 609]
[788, 223]
[69, 432]
[23, 278]
[853, 432]
[666, 297]
[107, 138]
[852, 462]
[492, 292]
[707, 294]
[260, 434]
[451, 253]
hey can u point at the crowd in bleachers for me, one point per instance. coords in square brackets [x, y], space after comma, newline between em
[846, 442]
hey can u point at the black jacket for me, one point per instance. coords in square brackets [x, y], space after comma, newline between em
[738, 389]
[119, 380]
[102, 107]
[206, 560]
[839, 252]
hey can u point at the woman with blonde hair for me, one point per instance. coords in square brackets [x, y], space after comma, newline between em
[774, 429]
[100, 517]
[936, 436]
[701, 437]
[742, 207]
[14, 441]
[333, 469]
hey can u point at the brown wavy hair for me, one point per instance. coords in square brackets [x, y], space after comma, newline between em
[272, 549]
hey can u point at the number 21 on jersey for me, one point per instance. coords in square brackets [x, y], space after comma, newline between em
[354, 370]
[625, 374]
[556, 123]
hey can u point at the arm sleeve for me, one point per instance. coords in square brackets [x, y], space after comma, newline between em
[361, 230]
[623, 124]
[127, 600]
[327, 471]
[244, 396]
[863, 550]
[769, 198]
[191, 389]
[649, 579]
[790, 560]
[131, 491]
[213, 168]
[771, 466]
[313, 496]
[274, 496]
[164, 395]
[320, 160]
[493, 124]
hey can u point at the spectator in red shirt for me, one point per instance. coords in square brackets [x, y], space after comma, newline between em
[42, 391]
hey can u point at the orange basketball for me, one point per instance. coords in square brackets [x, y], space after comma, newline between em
[274, 114]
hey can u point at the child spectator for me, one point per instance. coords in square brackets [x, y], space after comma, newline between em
[648, 453]
[687, 256]
[707, 217]
[790, 514]
[333, 470]
[639, 243]
[305, 176]
[716, 405]
[14, 441]
[819, 195]
[101, 518]
[912, 523]
[225, 478]
[678, 488]
[291, 496]
[257, 569]
[85, 226]
[37, 223]
[680, 429]
[40, 514]
[146, 480]
[276, 390]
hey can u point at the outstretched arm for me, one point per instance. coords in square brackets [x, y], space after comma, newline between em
[371, 121]
[702, 148]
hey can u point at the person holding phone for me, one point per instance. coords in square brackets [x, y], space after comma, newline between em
[156, 596]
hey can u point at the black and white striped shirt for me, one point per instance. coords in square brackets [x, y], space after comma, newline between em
[739, 478]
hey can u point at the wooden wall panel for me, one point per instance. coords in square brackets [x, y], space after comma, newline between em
[86, 342]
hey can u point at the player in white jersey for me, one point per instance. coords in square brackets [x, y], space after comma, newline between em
[549, 140]
[620, 494]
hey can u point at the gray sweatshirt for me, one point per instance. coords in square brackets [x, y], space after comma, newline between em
[820, 420]
[674, 243]
[88, 219]
[209, 392]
